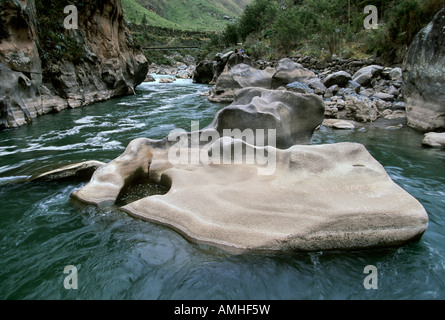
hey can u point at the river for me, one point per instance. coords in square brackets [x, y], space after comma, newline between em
[43, 230]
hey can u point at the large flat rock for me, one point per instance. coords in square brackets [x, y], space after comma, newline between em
[233, 186]
[319, 198]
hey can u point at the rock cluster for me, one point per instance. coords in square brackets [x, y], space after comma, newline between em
[305, 198]
[368, 94]
[181, 67]
[208, 71]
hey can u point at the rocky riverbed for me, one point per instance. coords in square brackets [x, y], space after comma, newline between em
[363, 93]
[409, 94]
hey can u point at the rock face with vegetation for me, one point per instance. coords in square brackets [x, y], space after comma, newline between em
[424, 84]
[47, 68]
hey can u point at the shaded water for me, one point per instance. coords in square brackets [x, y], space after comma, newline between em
[119, 257]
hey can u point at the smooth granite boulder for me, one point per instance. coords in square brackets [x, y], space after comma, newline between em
[328, 197]
[434, 140]
[340, 79]
[294, 116]
[424, 77]
[244, 194]
[325, 197]
[258, 116]
[339, 124]
[109, 180]
[238, 77]
[365, 75]
[288, 71]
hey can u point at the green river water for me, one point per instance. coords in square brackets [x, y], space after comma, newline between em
[119, 257]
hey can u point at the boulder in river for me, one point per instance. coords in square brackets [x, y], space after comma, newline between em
[434, 140]
[288, 71]
[167, 80]
[204, 72]
[108, 181]
[326, 197]
[238, 77]
[294, 116]
[340, 78]
[245, 194]
[424, 77]
[365, 75]
[339, 124]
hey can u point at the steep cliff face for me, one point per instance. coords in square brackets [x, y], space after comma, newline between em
[46, 68]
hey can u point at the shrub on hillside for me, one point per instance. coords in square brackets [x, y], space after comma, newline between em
[402, 22]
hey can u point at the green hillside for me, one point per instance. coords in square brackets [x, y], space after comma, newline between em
[134, 12]
[208, 15]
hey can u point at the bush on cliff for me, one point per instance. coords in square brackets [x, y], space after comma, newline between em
[328, 27]
[401, 22]
[55, 43]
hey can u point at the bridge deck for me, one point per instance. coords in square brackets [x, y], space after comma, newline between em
[169, 48]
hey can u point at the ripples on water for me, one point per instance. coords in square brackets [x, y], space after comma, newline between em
[119, 257]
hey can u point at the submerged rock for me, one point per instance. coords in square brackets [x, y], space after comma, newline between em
[79, 171]
[339, 124]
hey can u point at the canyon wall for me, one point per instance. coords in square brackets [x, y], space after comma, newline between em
[45, 67]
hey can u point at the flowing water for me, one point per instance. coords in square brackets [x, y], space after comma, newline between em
[119, 257]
